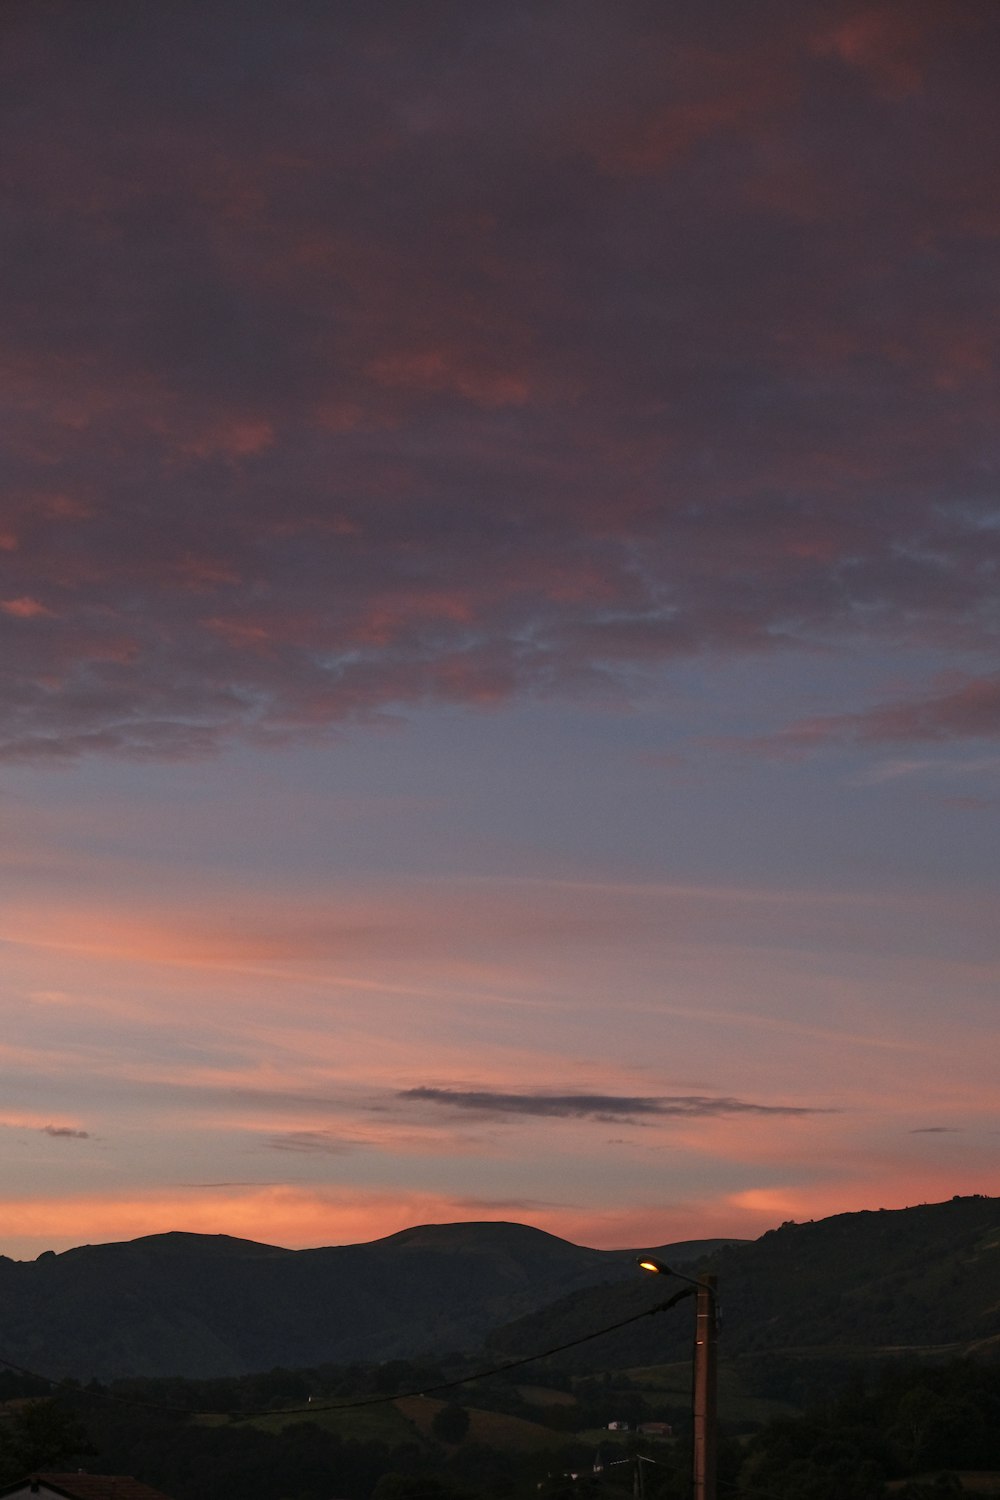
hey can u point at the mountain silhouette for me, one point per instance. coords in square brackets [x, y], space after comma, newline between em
[204, 1305]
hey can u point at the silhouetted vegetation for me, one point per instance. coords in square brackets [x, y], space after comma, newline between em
[913, 1427]
[38, 1433]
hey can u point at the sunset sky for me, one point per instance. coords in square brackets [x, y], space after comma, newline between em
[499, 604]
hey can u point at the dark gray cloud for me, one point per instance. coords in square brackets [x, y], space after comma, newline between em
[257, 1182]
[935, 1130]
[352, 362]
[315, 1142]
[67, 1131]
[604, 1107]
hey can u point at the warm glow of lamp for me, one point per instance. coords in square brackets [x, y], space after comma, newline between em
[648, 1263]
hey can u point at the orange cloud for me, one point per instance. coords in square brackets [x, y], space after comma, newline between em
[25, 608]
[37, 1120]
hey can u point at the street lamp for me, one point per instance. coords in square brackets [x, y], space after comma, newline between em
[705, 1395]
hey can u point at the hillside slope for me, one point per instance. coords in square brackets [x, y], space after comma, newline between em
[905, 1280]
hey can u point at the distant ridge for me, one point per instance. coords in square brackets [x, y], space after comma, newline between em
[206, 1305]
[181, 1242]
[914, 1280]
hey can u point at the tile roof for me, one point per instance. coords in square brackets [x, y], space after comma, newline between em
[91, 1486]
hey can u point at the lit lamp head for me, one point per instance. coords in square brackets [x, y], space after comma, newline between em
[650, 1263]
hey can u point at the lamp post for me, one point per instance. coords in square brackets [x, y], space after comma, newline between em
[704, 1401]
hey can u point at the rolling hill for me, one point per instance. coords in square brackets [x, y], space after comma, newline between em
[203, 1305]
[915, 1280]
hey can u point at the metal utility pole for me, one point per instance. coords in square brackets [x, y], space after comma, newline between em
[705, 1387]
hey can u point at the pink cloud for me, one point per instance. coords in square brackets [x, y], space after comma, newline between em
[895, 44]
[969, 709]
[443, 370]
[461, 355]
